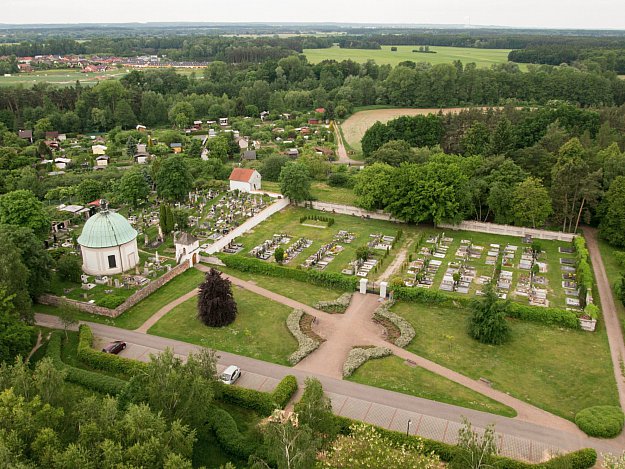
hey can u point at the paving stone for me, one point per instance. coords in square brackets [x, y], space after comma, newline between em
[251, 380]
[380, 415]
[269, 385]
[431, 427]
[355, 409]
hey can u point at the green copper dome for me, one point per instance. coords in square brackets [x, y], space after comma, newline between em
[106, 229]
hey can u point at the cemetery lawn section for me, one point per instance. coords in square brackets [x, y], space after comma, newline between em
[259, 331]
[287, 222]
[483, 58]
[560, 370]
[294, 289]
[393, 374]
[138, 314]
[550, 256]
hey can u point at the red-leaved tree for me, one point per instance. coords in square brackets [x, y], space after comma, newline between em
[216, 306]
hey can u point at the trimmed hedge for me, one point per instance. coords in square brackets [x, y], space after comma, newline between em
[329, 220]
[549, 316]
[263, 403]
[284, 391]
[104, 361]
[228, 435]
[581, 459]
[602, 421]
[89, 379]
[316, 277]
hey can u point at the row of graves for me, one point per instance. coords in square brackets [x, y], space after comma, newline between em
[363, 267]
[267, 249]
[461, 272]
[568, 269]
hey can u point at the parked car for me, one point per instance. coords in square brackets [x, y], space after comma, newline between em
[230, 374]
[114, 347]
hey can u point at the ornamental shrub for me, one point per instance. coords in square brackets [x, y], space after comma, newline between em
[284, 391]
[336, 306]
[228, 435]
[406, 330]
[306, 345]
[358, 356]
[601, 421]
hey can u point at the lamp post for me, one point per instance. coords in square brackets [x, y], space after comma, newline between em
[408, 427]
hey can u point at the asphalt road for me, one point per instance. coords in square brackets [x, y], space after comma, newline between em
[358, 395]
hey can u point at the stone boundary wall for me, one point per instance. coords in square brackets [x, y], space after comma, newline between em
[507, 230]
[132, 300]
[348, 210]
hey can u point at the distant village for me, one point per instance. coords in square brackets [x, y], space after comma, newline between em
[98, 64]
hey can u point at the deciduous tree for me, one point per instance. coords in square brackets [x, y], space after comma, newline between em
[295, 182]
[216, 304]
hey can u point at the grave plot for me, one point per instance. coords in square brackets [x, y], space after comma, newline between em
[328, 241]
[368, 260]
[267, 249]
[539, 273]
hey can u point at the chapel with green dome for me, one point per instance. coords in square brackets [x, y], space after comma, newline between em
[108, 243]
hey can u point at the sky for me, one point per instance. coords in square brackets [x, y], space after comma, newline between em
[598, 14]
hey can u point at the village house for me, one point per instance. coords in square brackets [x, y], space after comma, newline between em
[246, 180]
[102, 161]
[176, 147]
[26, 135]
[249, 155]
[99, 149]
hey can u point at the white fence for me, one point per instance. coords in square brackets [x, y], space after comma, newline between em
[349, 210]
[508, 230]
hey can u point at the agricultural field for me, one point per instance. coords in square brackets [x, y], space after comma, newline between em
[69, 77]
[443, 55]
[560, 370]
[355, 126]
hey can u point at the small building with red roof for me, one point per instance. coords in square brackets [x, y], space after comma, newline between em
[244, 179]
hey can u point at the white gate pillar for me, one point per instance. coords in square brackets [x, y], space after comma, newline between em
[363, 286]
[383, 286]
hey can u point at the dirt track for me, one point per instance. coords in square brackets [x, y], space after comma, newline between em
[357, 124]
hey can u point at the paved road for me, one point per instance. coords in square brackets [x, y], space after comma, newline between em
[388, 409]
[608, 308]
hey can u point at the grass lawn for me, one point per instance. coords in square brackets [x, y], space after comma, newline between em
[560, 370]
[391, 373]
[139, 313]
[288, 221]
[298, 291]
[614, 271]
[321, 192]
[444, 55]
[259, 331]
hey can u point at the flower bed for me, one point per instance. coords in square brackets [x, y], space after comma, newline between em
[306, 344]
[337, 306]
[406, 331]
[359, 355]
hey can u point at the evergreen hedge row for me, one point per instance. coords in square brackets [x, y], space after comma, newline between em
[228, 435]
[89, 379]
[329, 220]
[263, 403]
[316, 277]
[104, 361]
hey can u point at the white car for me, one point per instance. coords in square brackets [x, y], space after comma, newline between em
[230, 374]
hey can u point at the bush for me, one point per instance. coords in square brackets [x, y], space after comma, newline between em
[68, 267]
[104, 361]
[110, 301]
[338, 179]
[358, 356]
[601, 421]
[284, 391]
[329, 220]
[228, 435]
[582, 459]
[315, 277]
[306, 345]
[260, 402]
[88, 379]
[337, 306]
[406, 330]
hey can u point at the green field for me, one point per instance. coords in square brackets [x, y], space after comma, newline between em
[393, 374]
[259, 330]
[444, 55]
[560, 370]
[68, 77]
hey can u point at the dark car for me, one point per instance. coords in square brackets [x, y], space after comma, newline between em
[114, 347]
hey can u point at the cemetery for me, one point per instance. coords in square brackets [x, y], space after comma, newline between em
[313, 240]
[534, 272]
